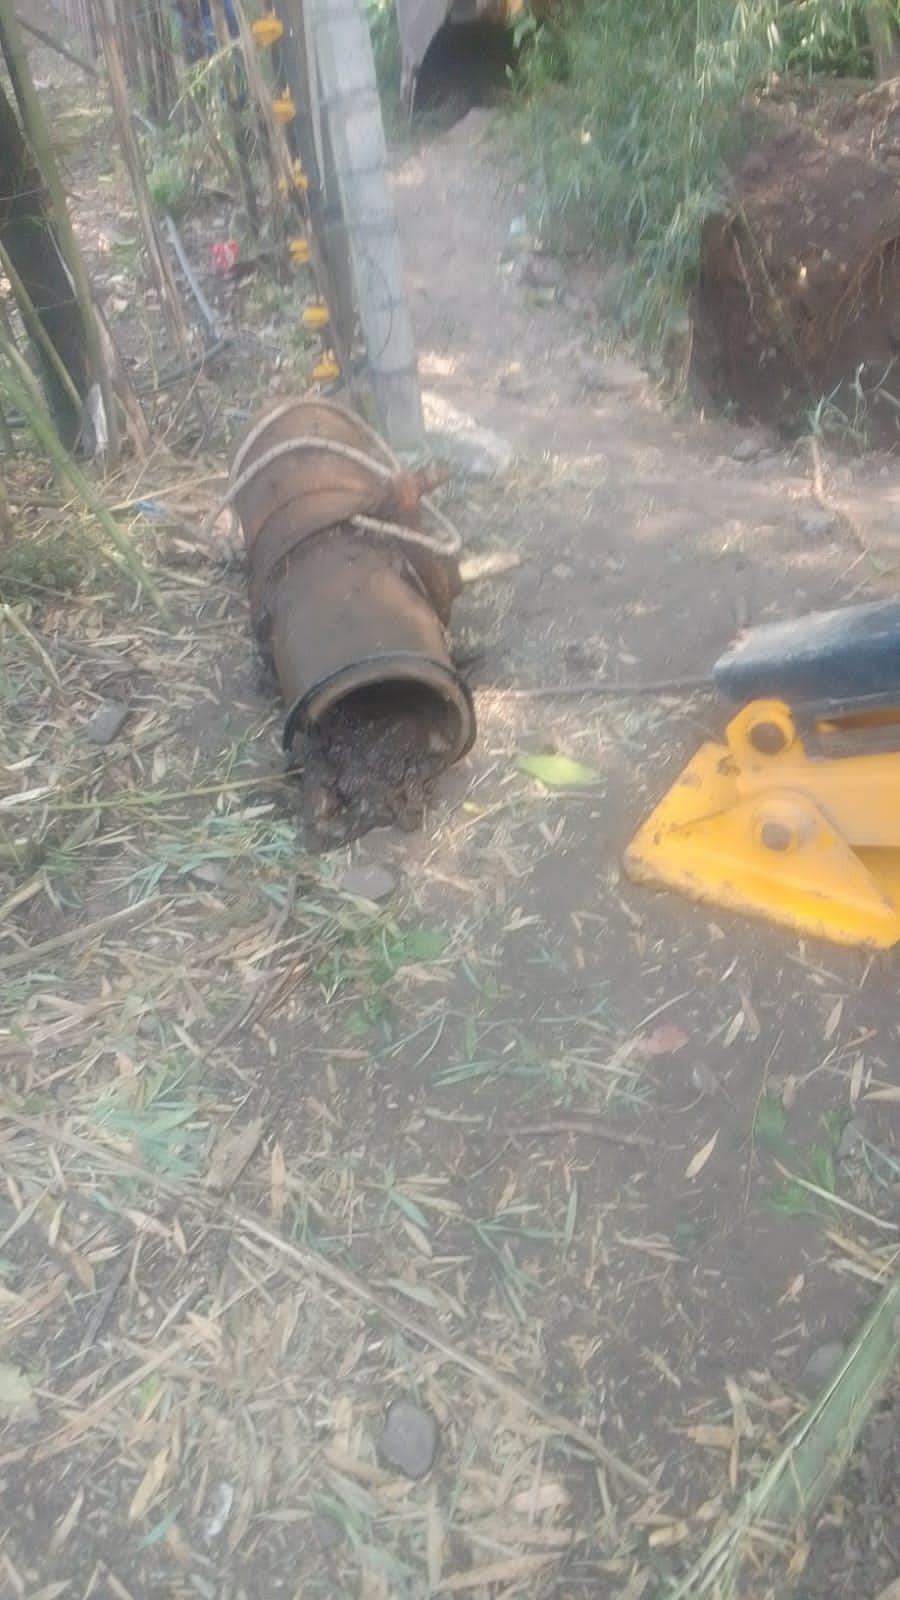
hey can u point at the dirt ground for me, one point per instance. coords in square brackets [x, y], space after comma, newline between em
[796, 307]
[598, 1182]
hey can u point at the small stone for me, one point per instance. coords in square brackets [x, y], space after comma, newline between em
[514, 384]
[369, 881]
[492, 564]
[747, 449]
[217, 1510]
[476, 452]
[704, 1079]
[541, 272]
[561, 570]
[591, 372]
[822, 1363]
[816, 522]
[328, 1532]
[410, 1439]
[210, 873]
[852, 1142]
[104, 723]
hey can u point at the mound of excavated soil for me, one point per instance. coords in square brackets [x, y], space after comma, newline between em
[798, 295]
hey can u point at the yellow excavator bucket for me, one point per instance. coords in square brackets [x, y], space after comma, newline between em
[756, 825]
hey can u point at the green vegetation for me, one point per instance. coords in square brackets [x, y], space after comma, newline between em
[631, 116]
[383, 28]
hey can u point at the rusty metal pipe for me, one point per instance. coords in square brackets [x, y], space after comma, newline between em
[349, 615]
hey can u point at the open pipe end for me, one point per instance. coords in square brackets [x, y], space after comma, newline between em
[404, 686]
[370, 751]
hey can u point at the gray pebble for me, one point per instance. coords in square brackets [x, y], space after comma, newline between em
[817, 522]
[369, 881]
[410, 1439]
[542, 272]
[822, 1363]
[704, 1079]
[104, 723]
[328, 1532]
[852, 1141]
[747, 449]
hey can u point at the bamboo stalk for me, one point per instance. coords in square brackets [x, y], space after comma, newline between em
[38, 134]
[274, 144]
[135, 421]
[239, 131]
[23, 390]
[5, 519]
[281, 167]
[7, 442]
[36, 330]
[797, 1482]
[312, 142]
[55, 44]
[159, 265]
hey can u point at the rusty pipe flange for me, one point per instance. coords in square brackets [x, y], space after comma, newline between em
[453, 704]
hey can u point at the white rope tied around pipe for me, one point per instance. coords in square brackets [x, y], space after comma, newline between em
[293, 403]
[448, 546]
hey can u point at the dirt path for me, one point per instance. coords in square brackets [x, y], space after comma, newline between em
[645, 540]
[275, 1160]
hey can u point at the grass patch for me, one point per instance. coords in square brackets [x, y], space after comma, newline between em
[633, 123]
[633, 145]
[385, 35]
[154, 1118]
[58, 557]
[365, 962]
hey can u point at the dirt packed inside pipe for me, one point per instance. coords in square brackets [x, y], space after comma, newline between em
[371, 761]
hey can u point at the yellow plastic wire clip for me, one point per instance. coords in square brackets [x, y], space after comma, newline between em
[266, 31]
[300, 181]
[326, 368]
[283, 109]
[315, 317]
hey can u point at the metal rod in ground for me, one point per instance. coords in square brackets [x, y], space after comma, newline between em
[214, 326]
[352, 110]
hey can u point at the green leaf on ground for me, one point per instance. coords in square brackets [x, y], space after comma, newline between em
[558, 772]
[16, 1396]
[771, 1121]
